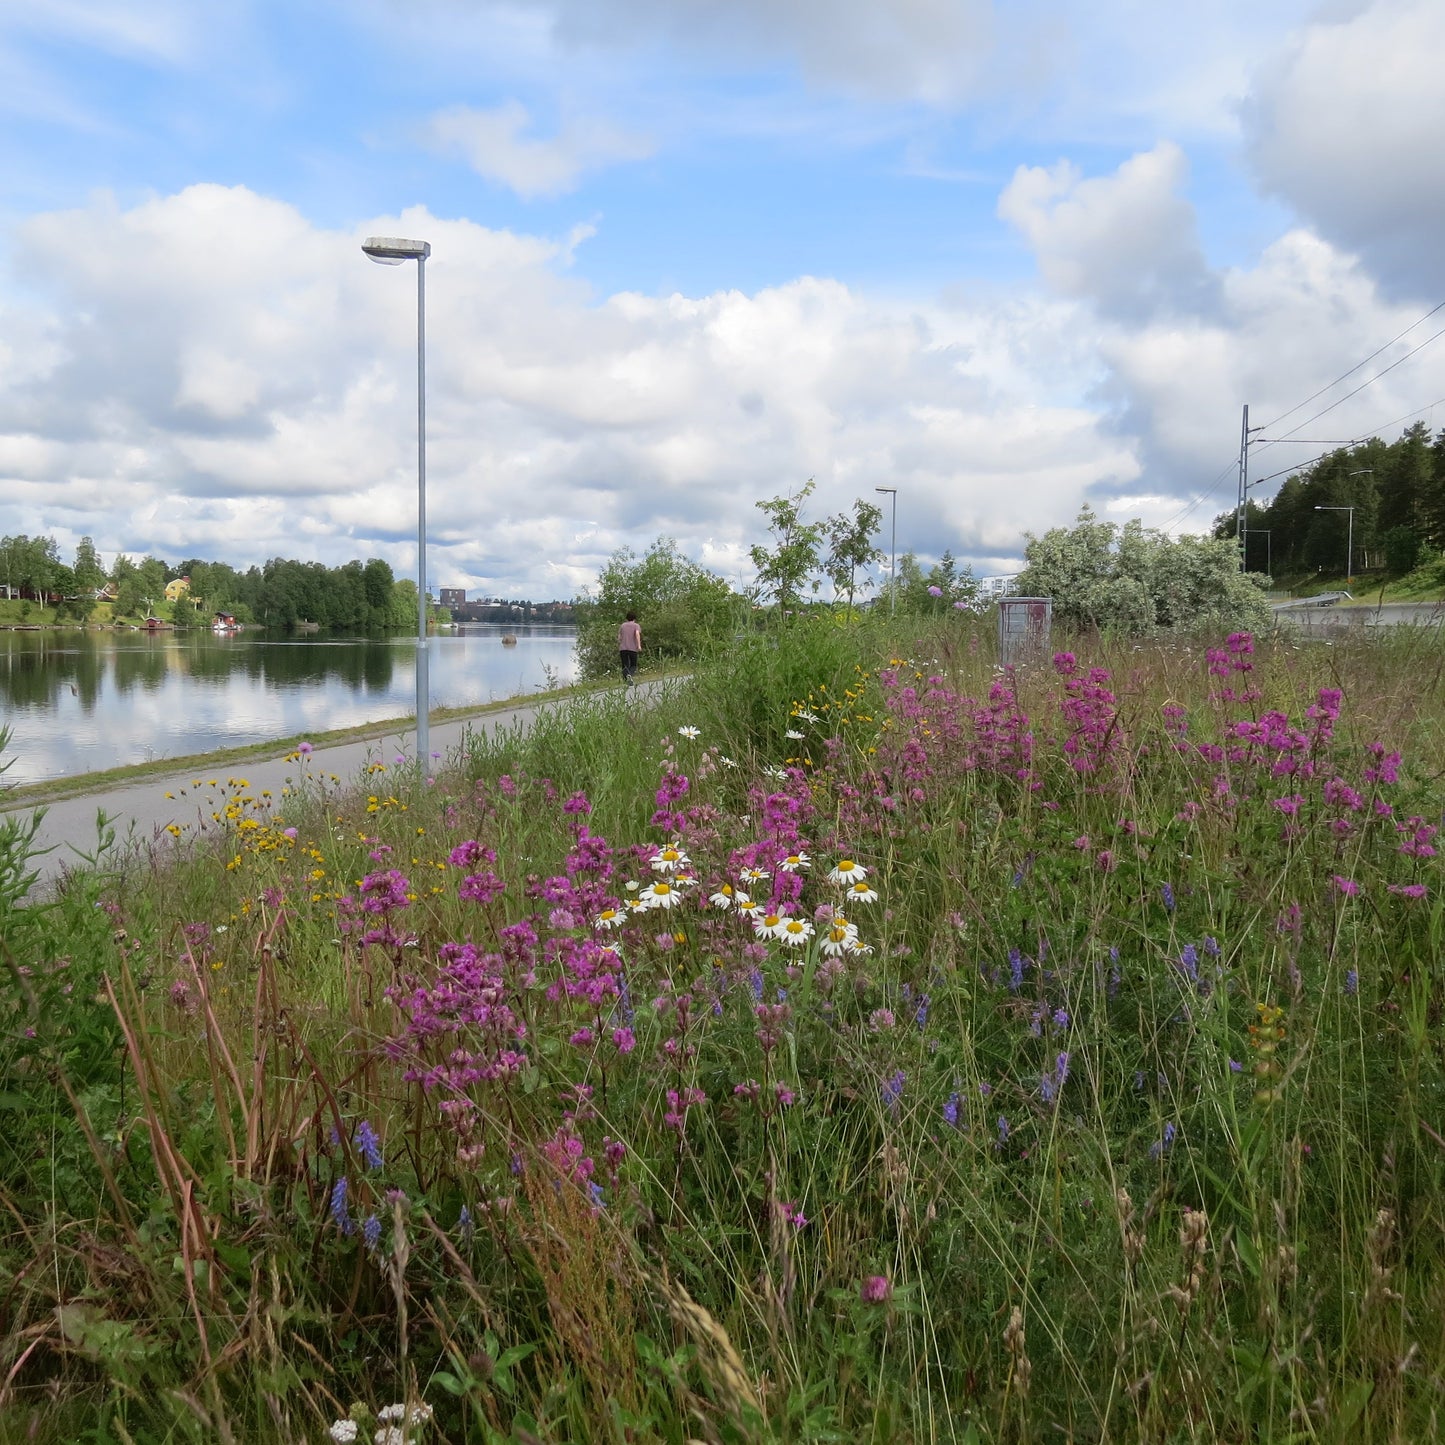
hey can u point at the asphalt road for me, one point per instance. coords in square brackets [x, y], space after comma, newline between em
[140, 812]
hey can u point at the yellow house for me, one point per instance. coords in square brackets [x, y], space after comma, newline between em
[177, 589]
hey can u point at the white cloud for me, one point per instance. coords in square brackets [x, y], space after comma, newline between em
[495, 144]
[226, 379]
[1125, 241]
[1346, 125]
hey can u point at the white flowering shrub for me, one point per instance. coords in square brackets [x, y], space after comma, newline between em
[1138, 580]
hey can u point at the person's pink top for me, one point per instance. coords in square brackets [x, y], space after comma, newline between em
[629, 637]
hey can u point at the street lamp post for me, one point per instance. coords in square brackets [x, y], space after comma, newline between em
[892, 550]
[1349, 538]
[392, 251]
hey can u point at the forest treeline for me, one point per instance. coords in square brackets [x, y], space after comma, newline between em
[1396, 490]
[356, 596]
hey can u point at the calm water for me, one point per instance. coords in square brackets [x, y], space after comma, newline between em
[79, 701]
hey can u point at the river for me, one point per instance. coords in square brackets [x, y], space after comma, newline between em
[77, 702]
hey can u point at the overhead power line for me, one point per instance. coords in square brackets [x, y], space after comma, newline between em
[1301, 405]
[1369, 382]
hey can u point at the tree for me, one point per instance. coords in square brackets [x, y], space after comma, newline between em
[851, 546]
[683, 608]
[784, 567]
[89, 574]
[1140, 580]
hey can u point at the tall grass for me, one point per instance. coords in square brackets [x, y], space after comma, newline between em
[1116, 1118]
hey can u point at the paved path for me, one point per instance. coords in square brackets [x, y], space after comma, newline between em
[140, 812]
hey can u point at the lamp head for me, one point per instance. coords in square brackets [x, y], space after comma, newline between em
[393, 250]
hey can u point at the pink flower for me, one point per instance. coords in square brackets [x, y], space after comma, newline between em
[877, 1289]
[1409, 890]
[1347, 886]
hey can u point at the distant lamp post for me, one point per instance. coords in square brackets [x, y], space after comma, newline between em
[1268, 562]
[1349, 538]
[392, 251]
[892, 550]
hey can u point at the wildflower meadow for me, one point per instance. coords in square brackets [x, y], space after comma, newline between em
[855, 1041]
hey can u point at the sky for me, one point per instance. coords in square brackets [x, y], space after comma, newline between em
[1009, 258]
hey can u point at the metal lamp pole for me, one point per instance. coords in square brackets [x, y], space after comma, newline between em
[892, 550]
[1350, 538]
[392, 251]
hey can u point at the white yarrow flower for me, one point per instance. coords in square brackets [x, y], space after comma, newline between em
[343, 1432]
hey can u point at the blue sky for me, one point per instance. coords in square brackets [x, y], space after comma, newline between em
[1008, 258]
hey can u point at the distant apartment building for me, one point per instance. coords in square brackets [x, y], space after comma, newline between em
[454, 596]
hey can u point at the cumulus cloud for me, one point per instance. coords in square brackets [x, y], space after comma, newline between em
[221, 377]
[1345, 125]
[1126, 241]
[495, 144]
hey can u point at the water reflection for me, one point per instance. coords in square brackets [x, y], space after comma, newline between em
[79, 701]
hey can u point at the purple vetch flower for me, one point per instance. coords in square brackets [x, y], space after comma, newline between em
[1161, 1146]
[1003, 1130]
[1015, 969]
[371, 1232]
[1061, 1069]
[368, 1145]
[1211, 945]
[340, 1214]
[465, 1227]
[1235, 1067]
[1352, 981]
[892, 1089]
[1189, 962]
[1061, 1018]
[950, 1110]
[1166, 895]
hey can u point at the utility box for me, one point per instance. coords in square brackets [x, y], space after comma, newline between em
[1024, 624]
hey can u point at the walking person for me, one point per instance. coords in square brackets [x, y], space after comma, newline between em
[629, 648]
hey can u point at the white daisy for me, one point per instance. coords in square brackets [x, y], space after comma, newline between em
[793, 733]
[609, 918]
[724, 898]
[660, 895]
[669, 859]
[839, 939]
[747, 908]
[794, 862]
[727, 762]
[847, 871]
[862, 893]
[810, 717]
[778, 775]
[769, 925]
[755, 875]
[795, 932]
[688, 732]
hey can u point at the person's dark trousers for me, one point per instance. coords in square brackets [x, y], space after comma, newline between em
[629, 666]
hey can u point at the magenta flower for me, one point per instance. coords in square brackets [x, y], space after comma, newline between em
[877, 1289]
[1347, 886]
